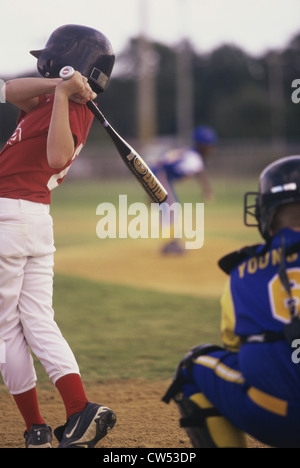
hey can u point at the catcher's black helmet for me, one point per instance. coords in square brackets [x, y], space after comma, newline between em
[85, 49]
[279, 184]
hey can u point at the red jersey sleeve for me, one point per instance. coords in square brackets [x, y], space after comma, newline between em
[78, 115]
[24, 169]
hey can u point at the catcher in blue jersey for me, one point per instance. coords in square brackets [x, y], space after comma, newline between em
[251, 385]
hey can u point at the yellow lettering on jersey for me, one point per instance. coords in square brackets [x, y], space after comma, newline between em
[252, 265]
[242, 268]
[263, 262]
[275, 257]
[260, 263]
[292, 258]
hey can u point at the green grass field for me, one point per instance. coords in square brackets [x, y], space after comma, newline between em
[123, 332]
[126, 311]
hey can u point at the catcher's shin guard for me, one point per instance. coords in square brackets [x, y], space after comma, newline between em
[203, 423]
[205, 426]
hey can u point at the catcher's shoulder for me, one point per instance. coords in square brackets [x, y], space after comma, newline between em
[233, 259]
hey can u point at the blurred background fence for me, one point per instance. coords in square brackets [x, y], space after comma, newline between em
[231, 158]
[157, 94]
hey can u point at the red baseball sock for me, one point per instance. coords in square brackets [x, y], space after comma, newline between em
[72, 392]
[28, 406]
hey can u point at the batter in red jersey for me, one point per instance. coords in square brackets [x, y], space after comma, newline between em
[52, 128]
[25, 171]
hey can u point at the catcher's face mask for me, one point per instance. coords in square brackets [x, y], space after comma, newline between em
[279, 184]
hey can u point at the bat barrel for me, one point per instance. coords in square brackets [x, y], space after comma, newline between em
[132, 159]
[146, 178]
[138, 167]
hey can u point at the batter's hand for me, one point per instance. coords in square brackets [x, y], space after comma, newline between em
[86, 94]
[77, 89]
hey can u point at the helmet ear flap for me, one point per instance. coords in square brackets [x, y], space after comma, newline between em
[98, 80]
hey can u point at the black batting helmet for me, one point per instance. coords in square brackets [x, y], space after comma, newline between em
[85, 49]
[279, 184]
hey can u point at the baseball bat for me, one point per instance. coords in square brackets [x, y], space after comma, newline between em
[131, 158]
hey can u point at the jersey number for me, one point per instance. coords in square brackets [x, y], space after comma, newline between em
[53, 181]
[279, 297]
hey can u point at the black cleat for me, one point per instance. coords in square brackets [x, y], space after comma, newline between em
[86, 428]
[39, 436]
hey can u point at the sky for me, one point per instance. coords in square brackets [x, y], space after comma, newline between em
[254, 25]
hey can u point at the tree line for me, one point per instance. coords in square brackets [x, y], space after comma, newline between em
[240, 95]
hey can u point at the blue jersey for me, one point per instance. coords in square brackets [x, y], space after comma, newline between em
[260, 301]
[255, 385]
[181, 163]
[256, 302]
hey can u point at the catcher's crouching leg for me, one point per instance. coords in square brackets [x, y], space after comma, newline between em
[203, 423]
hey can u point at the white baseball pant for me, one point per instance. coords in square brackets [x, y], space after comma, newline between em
[26, 289]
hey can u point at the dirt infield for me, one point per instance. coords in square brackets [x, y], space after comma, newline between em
[143, 420]
[195, 273]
